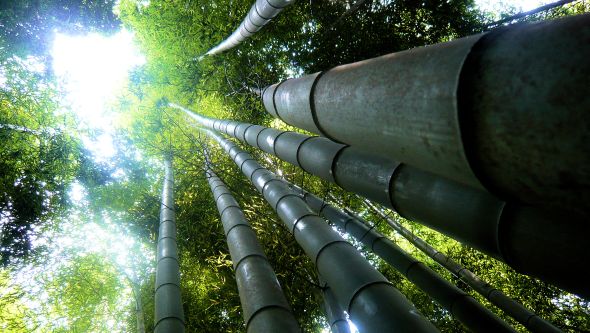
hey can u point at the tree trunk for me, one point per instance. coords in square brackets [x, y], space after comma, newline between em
[460, 304]
[514, 309]
[259, 15]
[334, 312]
[533, 241]
[264, 305]
[506, 110]
[169, 315]
[371, 301]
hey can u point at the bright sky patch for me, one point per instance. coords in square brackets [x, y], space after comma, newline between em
[92, 69]
[521, 5]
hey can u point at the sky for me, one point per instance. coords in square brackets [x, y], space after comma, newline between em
[521, 5]
[92, 70]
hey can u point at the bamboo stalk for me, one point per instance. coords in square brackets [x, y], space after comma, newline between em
[169, 315]
[373, 304]
[259, 15]
[514, 309]
[461, 305]
[264, 305]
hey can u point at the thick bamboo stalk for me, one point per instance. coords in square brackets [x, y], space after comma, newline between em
[334, 312]
[259, 15]
[460, 304]
[373, 304]
[506, 110]
[533, 241]
[511, 307]
[264, 305]
[169, 315]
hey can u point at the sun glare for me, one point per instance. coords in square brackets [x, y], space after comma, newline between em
[92, 69]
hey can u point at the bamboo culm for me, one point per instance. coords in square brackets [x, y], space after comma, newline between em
[373, 304]
[259, 15]
[264, 305]
[511, 307]
[169, 315]
[531, 240]
[334, 312]
[463, 110]
[461, 305]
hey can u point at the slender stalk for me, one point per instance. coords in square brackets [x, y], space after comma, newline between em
[373, 304]
[264, 305]
[334, 312]
[460, 304]
[514, 309]
[259, 15]
[138, 308]
[169, 315]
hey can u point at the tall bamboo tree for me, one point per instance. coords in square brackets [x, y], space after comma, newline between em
[169, 315]
[514, 309]
[426, 279]
[460, 304]
[264, 305]
[259, 15]
[463, 109]
[334, 312]
[371, 301]
[139, 316]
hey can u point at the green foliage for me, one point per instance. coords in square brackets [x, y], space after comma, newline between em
[38, 156]
[41, 155]
[12, 309]
[80, 292]
[329, 34]
[506, 11]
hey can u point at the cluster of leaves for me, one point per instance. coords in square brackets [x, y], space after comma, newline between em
[12, 308]
[510, 14]
[81, 290]
[41, 152]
